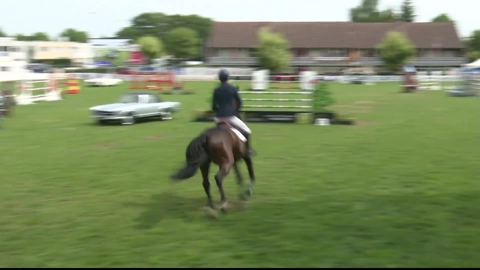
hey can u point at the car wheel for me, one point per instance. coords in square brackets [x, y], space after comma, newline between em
[129, 120]
[167, 114]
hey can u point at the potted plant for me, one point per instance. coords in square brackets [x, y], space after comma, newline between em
[321, 100]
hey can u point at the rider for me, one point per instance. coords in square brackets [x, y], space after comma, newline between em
[222, 104]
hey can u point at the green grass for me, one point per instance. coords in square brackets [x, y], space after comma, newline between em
[399, 189]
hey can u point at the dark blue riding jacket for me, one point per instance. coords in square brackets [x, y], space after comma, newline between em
[223, 101]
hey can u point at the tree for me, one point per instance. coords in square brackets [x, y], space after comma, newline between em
[388, 15]
[183, 43]
[474, 46]
[442, 18]
[474, 41]
[474, 55]
[39, 36]
[159, 24]
[128, 32]
[74, 35]
[368, 11]
[122, 57]
[2, 34]
[199, 24]
[407, 11]
[273, 51]
[396, 50]
[21, 37]
[150, 46]
[365, 12]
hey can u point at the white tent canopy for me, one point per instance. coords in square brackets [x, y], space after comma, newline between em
[475, 64]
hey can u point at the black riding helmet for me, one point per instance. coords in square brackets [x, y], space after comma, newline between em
[223, 75]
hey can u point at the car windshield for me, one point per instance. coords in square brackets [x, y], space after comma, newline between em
[128, 99]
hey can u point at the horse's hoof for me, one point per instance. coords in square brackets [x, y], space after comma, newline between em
[224, 207]
[249, 192]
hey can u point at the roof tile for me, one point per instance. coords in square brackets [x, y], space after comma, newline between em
[335, 34]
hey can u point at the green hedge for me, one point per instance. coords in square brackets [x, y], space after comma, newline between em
[89, 70]
[62, 62]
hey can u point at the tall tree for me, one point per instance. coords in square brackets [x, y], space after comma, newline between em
[21, 37]
[474, 46]
[388, 15]
[273, 51]
[407, 11]
[368, 11]
[128, 32]
[39, 36]
[364, 12]
[75, 35]
[183, 43]
[159, 24]
[150, 46]
[442, 18]
[396, 50]
[474, 41]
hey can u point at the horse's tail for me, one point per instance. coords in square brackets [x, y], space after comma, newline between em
[197, 155]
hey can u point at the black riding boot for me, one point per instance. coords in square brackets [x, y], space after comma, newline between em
[250, 150]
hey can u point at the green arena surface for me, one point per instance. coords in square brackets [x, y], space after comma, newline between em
[400, 188]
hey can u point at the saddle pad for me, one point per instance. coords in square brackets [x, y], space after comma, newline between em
[239, 134]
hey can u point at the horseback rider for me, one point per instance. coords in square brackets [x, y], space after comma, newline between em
[223, 105]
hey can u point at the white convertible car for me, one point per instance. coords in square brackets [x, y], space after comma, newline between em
[135, 106]
[102, 82]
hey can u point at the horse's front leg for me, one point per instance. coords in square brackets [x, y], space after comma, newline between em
[240, 180]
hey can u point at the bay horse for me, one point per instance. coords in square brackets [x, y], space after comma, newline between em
[222, 146]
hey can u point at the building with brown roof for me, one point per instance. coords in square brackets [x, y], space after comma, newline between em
[335, 43]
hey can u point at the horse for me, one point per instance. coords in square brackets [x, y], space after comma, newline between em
[222, 146]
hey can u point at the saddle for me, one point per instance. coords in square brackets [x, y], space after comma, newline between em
[226, 125]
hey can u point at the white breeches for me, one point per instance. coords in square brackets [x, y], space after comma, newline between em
[235, 122]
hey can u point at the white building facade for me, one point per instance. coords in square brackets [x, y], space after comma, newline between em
[13, 55]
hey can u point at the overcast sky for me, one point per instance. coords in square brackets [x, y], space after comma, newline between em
[105, 17]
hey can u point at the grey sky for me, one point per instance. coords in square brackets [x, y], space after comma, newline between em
[105, 17]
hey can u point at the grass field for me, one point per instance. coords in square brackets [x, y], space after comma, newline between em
[399, 189]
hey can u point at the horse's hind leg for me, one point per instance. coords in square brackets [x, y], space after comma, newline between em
[222, 173]
[238, 175]
[240, 180]
[251, 173]
[206, 183]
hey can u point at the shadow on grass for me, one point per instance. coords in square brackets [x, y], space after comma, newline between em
[167, 206]
[117, 123]
[329, 231]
